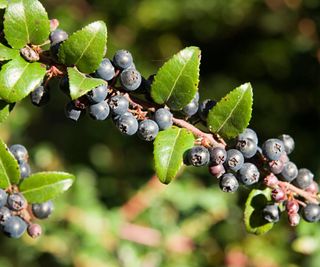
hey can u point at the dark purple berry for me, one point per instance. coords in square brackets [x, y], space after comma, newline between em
[249, 174]
[304, 178]
[106, 70]
[16, 201]
[234, 160]
[276, 166]
[273, 148]
[57, 36]
[288, 143]
[289, 172]
[229, 183]
[99, 111]
[218, 155]
[271, 213]
[247, 147]
[14, 227]
[42, 210]
[25, 170]
[311, 212]
[127, 124]
[163, 117]
[5, 213]
[98, 94]
[198, 156]
[148, 130]
[122, 59]
[130, 79]
[19, 152]
[248, 134]
[40, 96]
[118, 104]
[72, 112]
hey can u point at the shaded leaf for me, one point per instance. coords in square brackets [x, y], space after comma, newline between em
[256, 201]
[169, 148]
[9, 168]
[5, 109]
[85, 48]
[18, 78]
[176, 82]
[7, 53]
[25, 22]
[43, 186]
[80, 84]
[231, 115]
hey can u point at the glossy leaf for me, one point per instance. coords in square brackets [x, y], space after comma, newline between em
[7, 53]
[169, 148]
[5, 109]
[231, 115]
[85, 48]
[176, 82]
[80, 84]
[43, 186]
[25, 22]
[253, 219]
[9, 168]
[18, 78]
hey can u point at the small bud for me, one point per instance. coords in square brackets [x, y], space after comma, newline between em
[294, 219]
[34, 230]
[278, 195]
[271, 180]
[292, 206]
[313, 188]
[217, 170]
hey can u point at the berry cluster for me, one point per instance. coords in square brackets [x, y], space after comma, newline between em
[16, 214]
[245, 162]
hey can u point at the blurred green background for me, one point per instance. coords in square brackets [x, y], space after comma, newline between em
[274, 44]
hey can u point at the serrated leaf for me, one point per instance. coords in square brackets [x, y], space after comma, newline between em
[3, 4]
[5, 109]
[18, 78]
[43, 186]
[256, 201]
[9, 168]
[85, 48]
[176, 82]
[169, 148]
[231, 115]
[7, 53]
[80, 84]
[25, 22]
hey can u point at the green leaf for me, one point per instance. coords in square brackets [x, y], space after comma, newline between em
[3, 4]
[231, 115]
[9, 168]
[85, 48]
[18, 78]
[169, 148]
[5, 109]
[7, 53]
[26, 22]
[43, 186]
[256, 201]
[80, 84]
[176, 82]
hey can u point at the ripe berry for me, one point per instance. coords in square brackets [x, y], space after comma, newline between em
[3, 197]
[248, 134]
[271, 213]
[163, 117]
[292, 206]
[191, 108]
[130, 79]
[148, 130]
[273, 148]
[247, 147]
[106, 70]
[276, 166]
[14, 227]
[218, 155]
[16, 201]
[122, 59]
[249, 174]
[42, 210]
[288, 143]
[64, 85]
[25, 170]
[198, 156]
[278, 195]
[311, 212]
[5, 213]
[289, 172]
[19, 152]
[304, 178]
[72, 112]
[234, 160]
[34, 230]
[57, 36]
[216, 170]
[40, 96]
[294, 219]
[204, 108]
[127, 124]
[118, 104]
[99, 111]
[228, 183]
[98, 94]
